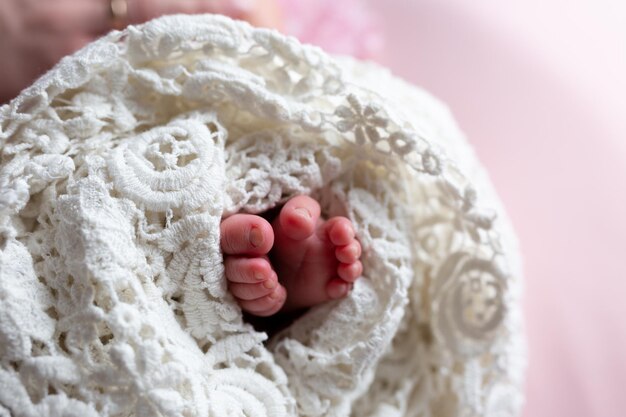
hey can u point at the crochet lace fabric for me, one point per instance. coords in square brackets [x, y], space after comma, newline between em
[116, 169]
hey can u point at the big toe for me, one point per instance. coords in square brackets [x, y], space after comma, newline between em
[298, 217]
[246, 234]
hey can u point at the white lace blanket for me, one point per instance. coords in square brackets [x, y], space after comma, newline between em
[116, 168]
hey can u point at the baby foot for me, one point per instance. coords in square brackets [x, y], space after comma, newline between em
[316, 260]
[245, 240]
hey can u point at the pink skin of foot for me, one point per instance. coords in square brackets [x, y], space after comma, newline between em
[312, 260]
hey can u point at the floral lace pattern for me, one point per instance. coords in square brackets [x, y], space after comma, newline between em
[116, 169]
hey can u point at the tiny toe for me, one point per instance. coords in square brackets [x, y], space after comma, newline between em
[350, 272]
[340, 231]
[254, 291]
[266, 305]
[299, 216]
[281, 296]
[348, 253]
[247, 270]
[337, 288]
[246, 234]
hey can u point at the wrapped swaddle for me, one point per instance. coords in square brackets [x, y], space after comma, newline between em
[116, 169]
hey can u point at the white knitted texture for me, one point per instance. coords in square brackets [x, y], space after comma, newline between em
[116, 169]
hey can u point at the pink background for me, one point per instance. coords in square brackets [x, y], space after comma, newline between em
[539, 86]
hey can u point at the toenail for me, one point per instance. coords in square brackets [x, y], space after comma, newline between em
[301, 211]
[256, 237]
[259, 276]
[269, 284]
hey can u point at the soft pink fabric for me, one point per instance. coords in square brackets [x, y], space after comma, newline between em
[539, 86]
[339, 26]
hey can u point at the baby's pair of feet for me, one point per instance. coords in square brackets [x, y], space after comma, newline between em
[298, 261]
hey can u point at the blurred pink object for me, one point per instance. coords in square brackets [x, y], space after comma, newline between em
[339, 26]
